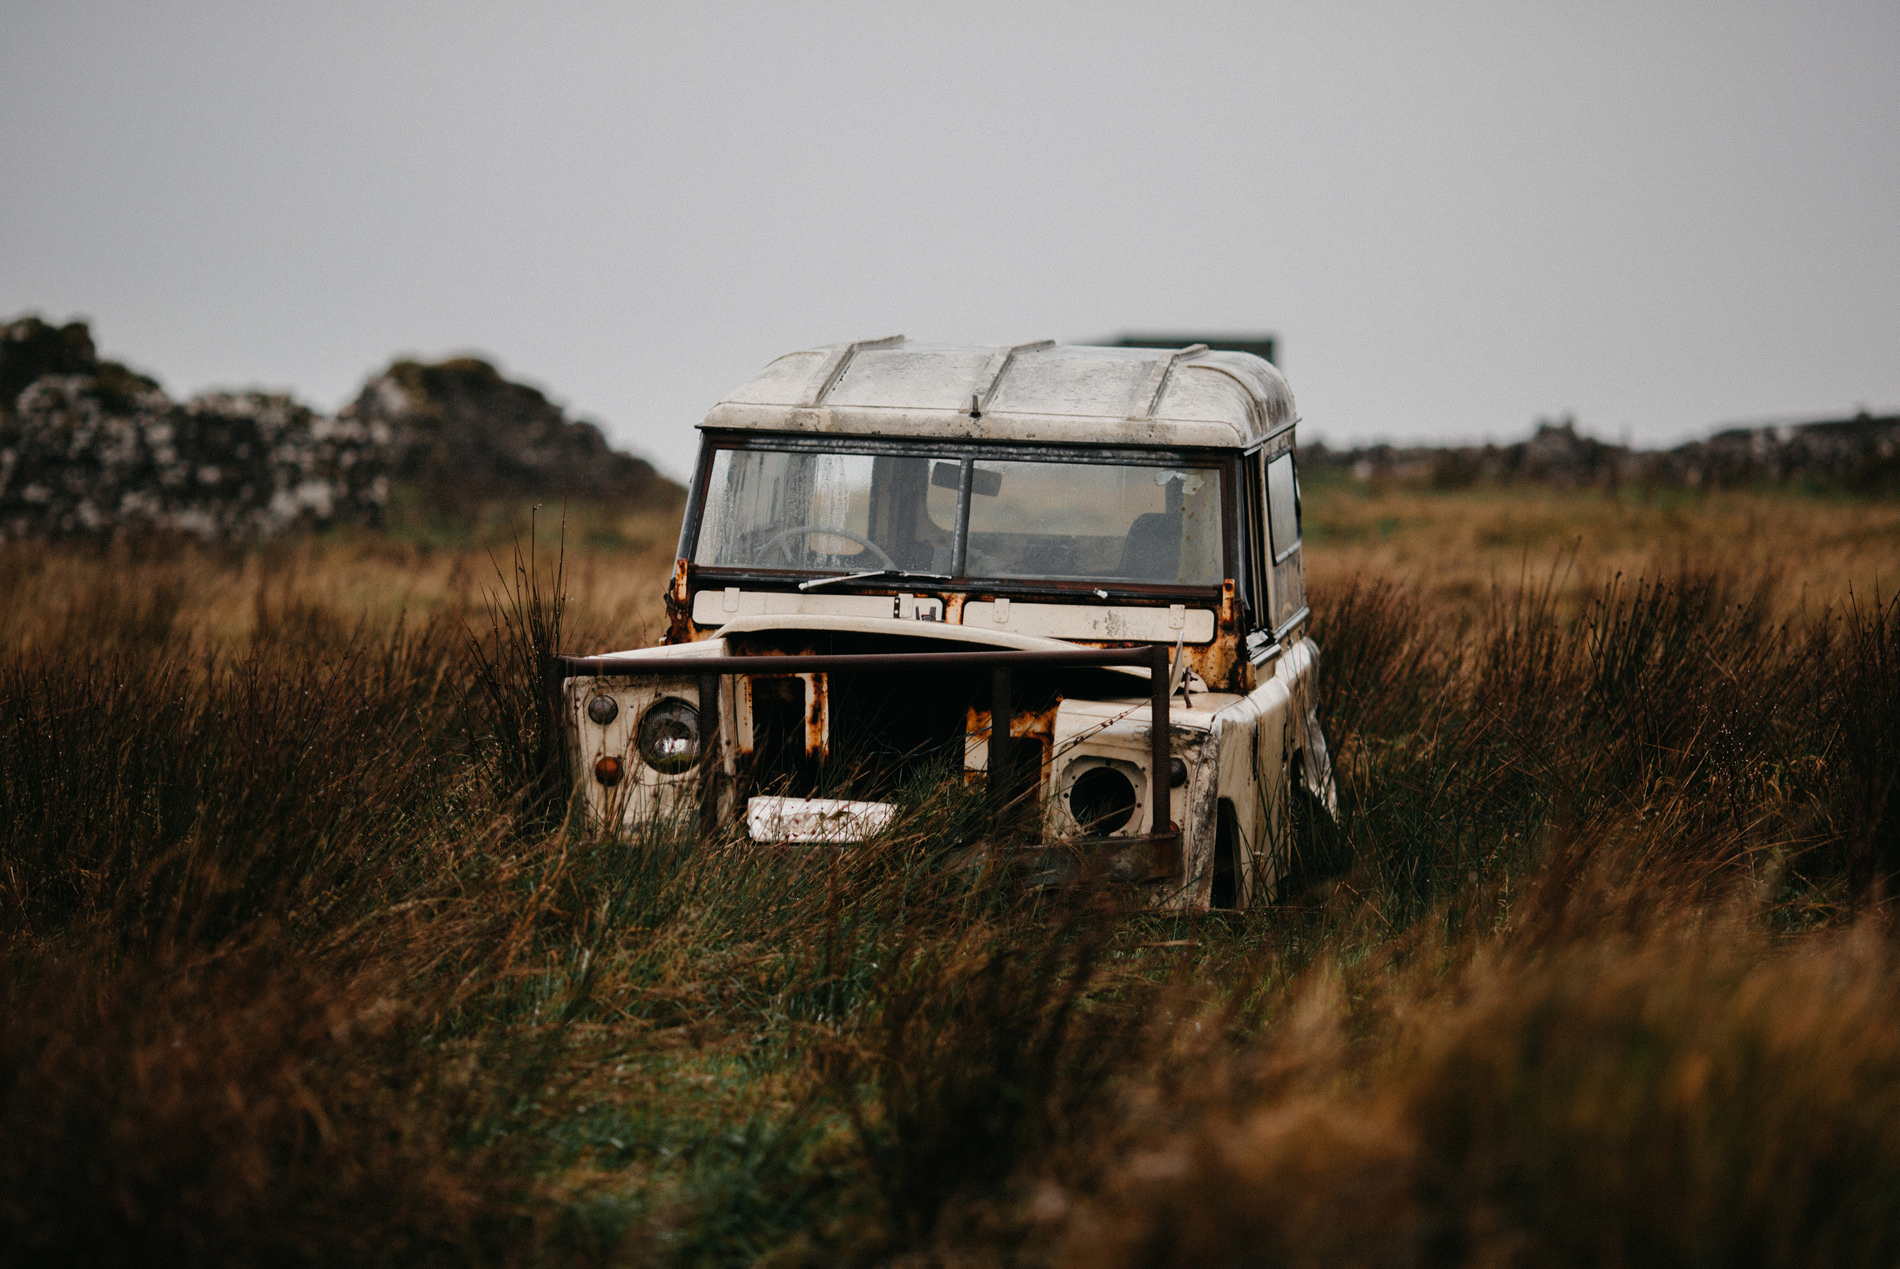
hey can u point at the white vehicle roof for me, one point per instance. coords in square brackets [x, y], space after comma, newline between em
[1046, 392]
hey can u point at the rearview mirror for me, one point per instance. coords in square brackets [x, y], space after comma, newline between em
[986, 484]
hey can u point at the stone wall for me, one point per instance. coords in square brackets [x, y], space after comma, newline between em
[90, 448]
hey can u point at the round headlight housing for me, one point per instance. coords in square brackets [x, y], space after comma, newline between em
[1103, 800]
[668, 739]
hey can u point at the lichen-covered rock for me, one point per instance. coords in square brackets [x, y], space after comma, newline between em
[225, 466]
[89, 448]
[31, 349]
[465, 434]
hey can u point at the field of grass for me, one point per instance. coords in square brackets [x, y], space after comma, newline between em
[1596, 967]
[1460, 544]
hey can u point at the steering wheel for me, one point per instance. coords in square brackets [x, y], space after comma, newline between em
[779, 539]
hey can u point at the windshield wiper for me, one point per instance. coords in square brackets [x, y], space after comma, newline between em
[816, 582]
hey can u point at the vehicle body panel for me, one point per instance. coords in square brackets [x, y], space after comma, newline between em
[874, 507]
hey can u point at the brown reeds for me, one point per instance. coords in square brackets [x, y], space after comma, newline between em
[1593, 967]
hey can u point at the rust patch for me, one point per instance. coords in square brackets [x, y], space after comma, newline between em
[817, 715]
[1038, 725]
[815, 688]
[1219, 662]
[679, 606]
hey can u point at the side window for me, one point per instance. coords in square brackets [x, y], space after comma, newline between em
[1283, 505]
[1259, 551]
[1283, 526]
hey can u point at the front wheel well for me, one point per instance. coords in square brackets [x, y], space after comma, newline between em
[1318, 847]
[1225, 892]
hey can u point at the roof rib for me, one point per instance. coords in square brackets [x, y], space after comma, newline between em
[993, 371]
[835, 365]
[1158, 380]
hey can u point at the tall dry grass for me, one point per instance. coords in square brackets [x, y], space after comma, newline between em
[1594, 966]
[1683, 1091]
[1455, 547]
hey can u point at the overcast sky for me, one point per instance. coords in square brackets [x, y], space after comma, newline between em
[1660, 217]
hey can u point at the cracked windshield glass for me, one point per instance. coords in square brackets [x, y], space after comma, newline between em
[830, 512]
[1096, 522]
[1069, 519]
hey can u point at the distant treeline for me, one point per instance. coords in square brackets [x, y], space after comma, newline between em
[89, 447]
[1861, 453]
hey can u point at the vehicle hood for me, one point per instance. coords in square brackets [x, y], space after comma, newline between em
[885, 627]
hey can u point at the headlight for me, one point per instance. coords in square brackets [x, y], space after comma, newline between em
[668, 739]
[1102, 800]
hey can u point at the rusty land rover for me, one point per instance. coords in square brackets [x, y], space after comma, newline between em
[1076, 570]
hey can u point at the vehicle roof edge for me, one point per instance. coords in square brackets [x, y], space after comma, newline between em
[1041, 392]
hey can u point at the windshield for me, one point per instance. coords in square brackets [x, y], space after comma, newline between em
[1071, 518]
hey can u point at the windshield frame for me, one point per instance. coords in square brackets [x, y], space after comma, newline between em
[1225, 461]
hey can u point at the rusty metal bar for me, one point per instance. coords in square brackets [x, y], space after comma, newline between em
[708, 752]
[1161, 818]
[819, 663]
[1000, 713]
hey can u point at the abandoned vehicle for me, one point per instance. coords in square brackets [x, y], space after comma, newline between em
[1072, 572]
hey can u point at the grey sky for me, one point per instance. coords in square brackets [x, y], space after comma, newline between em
[1660, 217]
